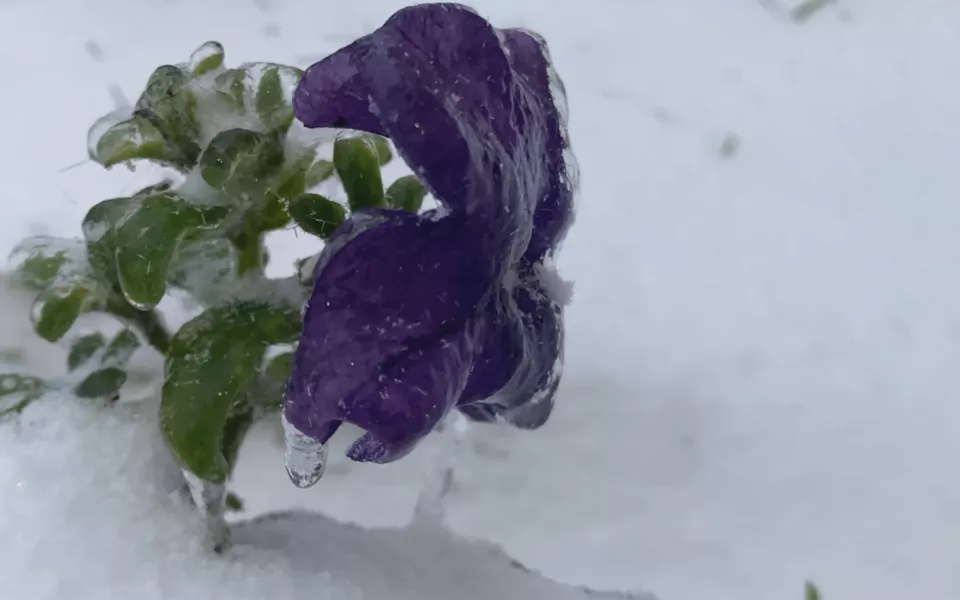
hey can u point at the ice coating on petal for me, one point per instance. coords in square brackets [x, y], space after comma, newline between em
[332, 93]
[554, 212]
[391, 288]
[412, 315]
[522, 354]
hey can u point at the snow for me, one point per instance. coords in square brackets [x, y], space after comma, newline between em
[760, 381]
[93, 509]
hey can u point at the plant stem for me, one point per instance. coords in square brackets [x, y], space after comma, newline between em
[148, 322]
[249, 252]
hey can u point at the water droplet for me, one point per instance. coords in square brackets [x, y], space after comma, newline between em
[305, 457]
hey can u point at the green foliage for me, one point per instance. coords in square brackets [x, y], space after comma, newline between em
[316, 214]
[357, 163]
[406, 193]
[211, 364]
[241, 168]
[811, 592]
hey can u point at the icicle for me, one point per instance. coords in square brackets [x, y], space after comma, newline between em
[305, 457]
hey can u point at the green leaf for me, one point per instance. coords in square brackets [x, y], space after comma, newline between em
[206, 58]
[212, 362]
[234, 431]
[204, 266]
[237, 159]
[99, 227]
[147, 240]
[134, 139]
[811, 591]
[265, 88]
[274, 95]
[39, 261]
[120, 348]
[406, 193]
[169, 105]
[58, 269]
[316, 215]
[382, 144]
[319, 172]
[358, 166]
[280, 367]
[268, 393]
[231, 85]
[57, 308]
[269, 214]
[102, 383]
[17, 391]
[83, 349]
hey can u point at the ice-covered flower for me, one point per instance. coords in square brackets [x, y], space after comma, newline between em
[413, 315]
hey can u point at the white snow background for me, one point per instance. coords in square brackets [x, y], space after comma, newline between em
[762, 380]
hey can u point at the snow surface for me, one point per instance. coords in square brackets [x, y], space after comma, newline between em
[760, 381]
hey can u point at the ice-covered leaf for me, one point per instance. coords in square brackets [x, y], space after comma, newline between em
[120, 348]
[406, 193]
[231, 85]
[94, 348]
[212, 361]
[59, 270]
[237, 159]
[235, 428]
[206, 58]
[316, 214]
[319, 172]
[57, 309]
[133, 139]
[265, 89]
[99, 227]
[274, 95]
[169, 104]
[268, 394]
[102, 383]
[382, 144]
[147, 240]
[269, 214]
[83, 349]
[357, 162]
[279, 367]
[39, 261]
[203, 266]
[17, 391]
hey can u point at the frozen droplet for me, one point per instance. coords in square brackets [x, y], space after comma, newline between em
[137, 304]
[305, 457]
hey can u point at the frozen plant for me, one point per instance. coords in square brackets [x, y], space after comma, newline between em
[238, 167]
[404, 315]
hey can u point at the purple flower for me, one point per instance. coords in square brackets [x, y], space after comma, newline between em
[413, 315]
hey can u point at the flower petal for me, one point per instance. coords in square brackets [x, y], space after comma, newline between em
[554, 211]
[410, 396]
[518, 370]
[333, 93]
[396, 283]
